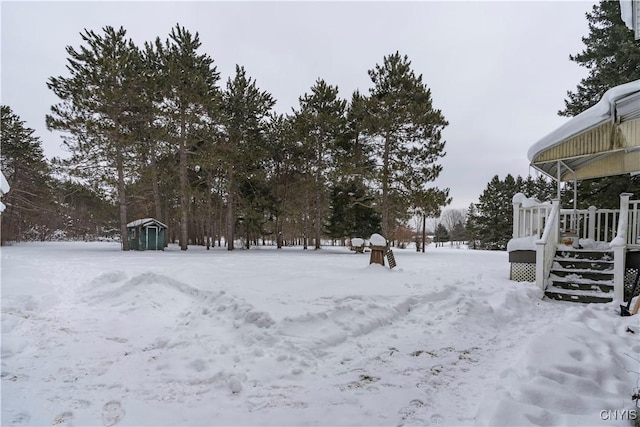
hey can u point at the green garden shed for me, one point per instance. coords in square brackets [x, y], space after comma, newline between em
[146, 234]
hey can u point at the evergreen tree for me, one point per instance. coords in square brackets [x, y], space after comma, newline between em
[153, 149]
[351, 212]
[256, 205]
[354, 155]
[243, 149]
[604, 193]
[458, 232]
[283, 170]
[611, 55]
[471, 226]
[30, 208]
[495, 216]
[428, 203]
[405, 133]
[320, 123]
[441, 234]
[97, 109]
[189, 96]
[491, 220]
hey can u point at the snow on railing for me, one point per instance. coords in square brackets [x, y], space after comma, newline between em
[546, 246]
[529, 216]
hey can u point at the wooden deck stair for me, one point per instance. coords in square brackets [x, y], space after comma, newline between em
[581, 275]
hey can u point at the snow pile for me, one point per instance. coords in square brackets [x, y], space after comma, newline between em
[592, 244]
[524, 201]
[618, 241]
[527, 243]
[92, 335]
[377, 240]
[356, 241]
[144, 221]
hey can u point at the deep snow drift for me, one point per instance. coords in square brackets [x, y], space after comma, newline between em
[95, 336]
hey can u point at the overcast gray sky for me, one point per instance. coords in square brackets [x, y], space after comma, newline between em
[499, 71]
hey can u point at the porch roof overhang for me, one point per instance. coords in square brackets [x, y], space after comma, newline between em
[601, 141]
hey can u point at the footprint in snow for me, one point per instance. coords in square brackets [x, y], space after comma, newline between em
[63, 419]
[21, 419]
[112, 413]
[408, 413]
[437, 419]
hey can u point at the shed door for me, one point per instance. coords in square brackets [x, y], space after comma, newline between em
[152, 238]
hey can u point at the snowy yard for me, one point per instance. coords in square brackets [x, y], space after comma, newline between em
[95, 336]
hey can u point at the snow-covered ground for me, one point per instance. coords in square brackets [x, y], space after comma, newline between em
[95, 336]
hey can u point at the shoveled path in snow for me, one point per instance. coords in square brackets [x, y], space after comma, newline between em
[94, 336]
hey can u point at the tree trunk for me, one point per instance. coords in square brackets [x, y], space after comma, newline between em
[424, 231]
[122, 200]
[386, 209]
[209, 219]
[231, 215]
[317, 222]
[157, 201]
[319, 167]
[248, 239]
[184, 195]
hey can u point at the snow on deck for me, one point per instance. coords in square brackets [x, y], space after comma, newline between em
[594, 116]
[92, 335]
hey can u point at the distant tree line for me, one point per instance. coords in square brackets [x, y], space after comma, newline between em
[151, 132]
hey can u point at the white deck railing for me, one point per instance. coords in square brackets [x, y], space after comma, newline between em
[547, 244]
[633, 226]
[599, 225]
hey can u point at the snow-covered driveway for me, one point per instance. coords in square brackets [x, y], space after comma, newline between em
[95, 336]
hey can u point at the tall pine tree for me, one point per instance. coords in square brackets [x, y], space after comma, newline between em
[188, 90]
[246, 111]
[405, 133]
[97, 110]
[320, 123]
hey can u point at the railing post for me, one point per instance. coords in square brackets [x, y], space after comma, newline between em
[516, 219]
[592, 223]
[619, 255]
[540, 276]
[619, 246]
[541, 245]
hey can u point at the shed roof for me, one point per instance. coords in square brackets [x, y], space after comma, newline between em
[601, 141]
[145, 221]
